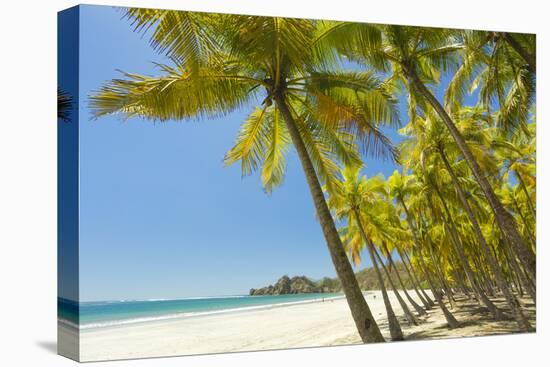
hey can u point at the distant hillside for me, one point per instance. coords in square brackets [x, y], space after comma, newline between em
[301, 284]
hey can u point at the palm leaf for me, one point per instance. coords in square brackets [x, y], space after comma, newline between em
[64, 105]
[177, 94]
[189, 37]
[274, 163]
[251, 142]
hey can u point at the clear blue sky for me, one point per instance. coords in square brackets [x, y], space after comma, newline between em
[160, 216]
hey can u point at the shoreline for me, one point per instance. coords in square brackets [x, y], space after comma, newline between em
[186, 315]
[312, 324]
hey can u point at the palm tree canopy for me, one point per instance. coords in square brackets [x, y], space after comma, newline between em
[221, 63]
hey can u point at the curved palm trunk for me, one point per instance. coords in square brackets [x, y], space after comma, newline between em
[427, 301]
[459, 249]
[486, 281]
[451, 321]
[437, 266]
[516, 275]
[522, 278]
[479, 293]
[460, 279]
[408, 314]
[439, 273]
[528, 228]
[527, 197]
[395, 329]
[526, 56]
[516, 282]
[522, 321]
[504, 219]
[360, 311]
[416, 306]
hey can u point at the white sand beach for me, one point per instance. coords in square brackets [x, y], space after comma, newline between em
[305, 325]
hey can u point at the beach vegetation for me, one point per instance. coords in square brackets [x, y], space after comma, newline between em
[459, 213]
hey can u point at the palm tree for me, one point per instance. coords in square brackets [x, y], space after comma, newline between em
[427, 137]
[64, 103]
[517, 155]
[416, 306]
[411, 319]
[436, 142]
[516, 309]
[389, 225]
[516, 201]
[426, 300]
[352, 198]
[501, 76]
[221, 63]
[399, 187]
[415, 57]
[432, 242]
[459, 249]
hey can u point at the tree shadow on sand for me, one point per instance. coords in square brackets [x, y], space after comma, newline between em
[475, 320]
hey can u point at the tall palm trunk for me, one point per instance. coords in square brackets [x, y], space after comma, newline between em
[360, 311]
[504, 219]
[427, 301]
[465, 265]
[451, 321]
[477, 257]
[439, 273]
[395, 329]
[522, 321]
[478, 291]
[526, 192]
[459, 249]
[514, 271]
[416, 306]
[523, 279]
[528, 228]
[408, 314]
[516, 282]
[460, 279]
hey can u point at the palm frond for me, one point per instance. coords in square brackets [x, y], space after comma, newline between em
[251, 142]
[64, 105]
[177, 94]
[274, 165]
[189, 37]
[358, 103]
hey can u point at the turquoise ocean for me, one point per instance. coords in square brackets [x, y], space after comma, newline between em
[87, 315]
